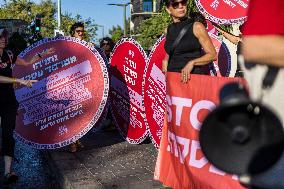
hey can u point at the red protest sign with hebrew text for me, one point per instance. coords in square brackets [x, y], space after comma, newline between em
[127, 68]
[69, 97]
[180, 163]
[224, 11]
[154, 92]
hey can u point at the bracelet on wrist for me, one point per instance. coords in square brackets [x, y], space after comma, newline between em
[14, 80]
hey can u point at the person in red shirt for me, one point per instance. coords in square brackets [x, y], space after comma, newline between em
[263, 44]
[264, 32]
[263, 47]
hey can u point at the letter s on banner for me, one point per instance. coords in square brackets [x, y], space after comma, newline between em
[169, 111]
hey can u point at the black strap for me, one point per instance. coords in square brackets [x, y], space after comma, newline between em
[179, 37]
[270, 77]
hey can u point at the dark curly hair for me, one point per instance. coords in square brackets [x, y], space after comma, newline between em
[74, 26]
[198, 17]
[107, 40]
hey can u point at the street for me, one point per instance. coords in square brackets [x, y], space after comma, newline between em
[31, 168]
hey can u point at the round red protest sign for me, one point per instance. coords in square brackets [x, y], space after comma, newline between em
[222, 66]
[69, 97]
[154, 92]
[211, 29]
[127, 67]
[100, 124]
[224, 11]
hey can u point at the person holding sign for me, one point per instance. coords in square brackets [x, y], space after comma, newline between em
[28, 83]
[77, 30]
[185, 54]
[185, 40]
[8, 102]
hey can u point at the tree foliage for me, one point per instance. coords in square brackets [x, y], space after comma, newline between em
[151, 29]
[27, 11]
[116, 33]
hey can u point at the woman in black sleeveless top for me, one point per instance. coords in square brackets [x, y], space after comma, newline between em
[187, 57]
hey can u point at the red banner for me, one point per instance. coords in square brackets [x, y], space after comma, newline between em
[180, 162]
[69, 97]
[224, 11]
[154, 92]
[128, 63]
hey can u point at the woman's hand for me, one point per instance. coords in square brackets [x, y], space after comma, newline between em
[48, 51]
[164, 66]
[28, 83]
[185, 72]
[35, 58]
[39, 56]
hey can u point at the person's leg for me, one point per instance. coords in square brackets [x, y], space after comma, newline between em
[8, 121]
[8, 164]
[8, 142]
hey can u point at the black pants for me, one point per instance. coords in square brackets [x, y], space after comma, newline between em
[8, 122]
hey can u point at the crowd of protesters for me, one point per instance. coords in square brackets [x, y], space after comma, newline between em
[188, 47]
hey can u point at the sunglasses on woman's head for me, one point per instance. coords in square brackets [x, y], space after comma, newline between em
[175, 4]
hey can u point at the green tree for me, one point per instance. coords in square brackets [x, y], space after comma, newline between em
[27, 10]
[116, 33]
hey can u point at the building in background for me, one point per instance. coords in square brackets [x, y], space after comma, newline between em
[141, 10]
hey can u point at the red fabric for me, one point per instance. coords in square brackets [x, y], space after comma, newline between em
[180, 163]
[265, 18]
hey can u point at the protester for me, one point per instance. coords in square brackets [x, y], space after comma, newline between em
[185, 57]
[198, 17]
[17, 43]
[77, 30]
[107, 45]
[263, 44]
[236, 40]
[263, 47]
[8, 102]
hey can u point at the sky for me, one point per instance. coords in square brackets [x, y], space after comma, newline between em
[98, 10]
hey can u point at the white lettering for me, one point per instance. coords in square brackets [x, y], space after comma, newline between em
[215, 4]
[193, 161]
[204, 104]
[180, 103]
[169, 111]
